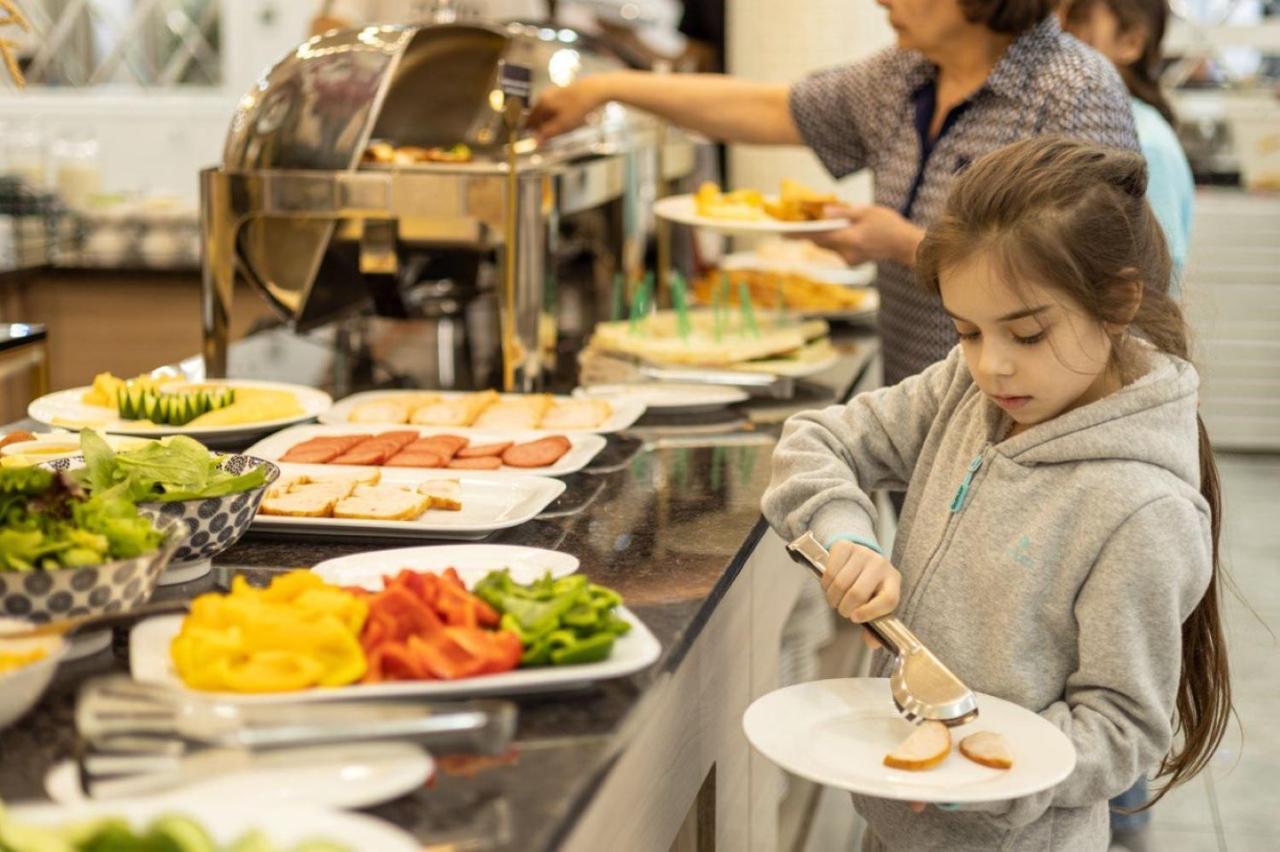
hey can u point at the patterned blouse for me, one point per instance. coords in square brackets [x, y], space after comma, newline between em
[876, 114]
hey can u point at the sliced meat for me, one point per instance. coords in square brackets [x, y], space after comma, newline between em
[410, 457]
[342, 442]
[445, 446]
[482, 450]
[400, 439]
[302, 454]
[481, 463]
[15, 437]
[539, 453]
[363, 454]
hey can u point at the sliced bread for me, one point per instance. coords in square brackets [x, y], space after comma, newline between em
[300, 504]
[928, 745]
[381, 503]
[987, 748]
[444, 494]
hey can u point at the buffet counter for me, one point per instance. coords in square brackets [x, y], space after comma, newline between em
[669, 516]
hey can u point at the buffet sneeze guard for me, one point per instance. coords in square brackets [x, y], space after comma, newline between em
[297, 212]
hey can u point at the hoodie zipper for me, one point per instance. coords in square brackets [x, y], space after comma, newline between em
[962, 493]
[935, 558]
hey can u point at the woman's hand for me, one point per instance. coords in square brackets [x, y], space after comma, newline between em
[874, 233]
[561, 109]
[859, 583]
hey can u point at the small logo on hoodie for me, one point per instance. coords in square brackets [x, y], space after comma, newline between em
[1021, 553]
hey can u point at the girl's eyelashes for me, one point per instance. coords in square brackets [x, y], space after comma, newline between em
[1033, 339]
[967, 335]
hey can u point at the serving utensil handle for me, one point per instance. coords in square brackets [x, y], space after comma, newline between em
[891, 632]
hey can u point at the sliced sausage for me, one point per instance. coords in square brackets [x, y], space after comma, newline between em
[482, 450]
[363, 455]
[415, 458]
[539, 453]
[481, 463]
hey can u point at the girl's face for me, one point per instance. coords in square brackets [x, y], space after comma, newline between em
[924, 25]
[1031, 349]
[1096, 25]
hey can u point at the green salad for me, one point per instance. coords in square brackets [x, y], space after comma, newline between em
[169, 833]
[47, 522]
[171, 469]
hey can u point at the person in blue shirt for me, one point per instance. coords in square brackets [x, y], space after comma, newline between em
[1129, 32]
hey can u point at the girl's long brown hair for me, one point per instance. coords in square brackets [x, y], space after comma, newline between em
[1143, 76]
[1074, 216]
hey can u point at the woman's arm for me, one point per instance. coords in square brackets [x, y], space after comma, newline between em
[712, 104]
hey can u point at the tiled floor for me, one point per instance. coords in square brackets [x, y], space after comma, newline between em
[1234, 807]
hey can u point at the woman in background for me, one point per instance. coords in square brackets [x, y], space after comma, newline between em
[1129, 33]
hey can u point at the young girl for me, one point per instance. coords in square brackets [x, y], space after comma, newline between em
[1129, 33]
[1058, 546]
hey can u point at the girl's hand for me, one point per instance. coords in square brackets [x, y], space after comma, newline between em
[561, 109]
[874, 233]
[860, 583]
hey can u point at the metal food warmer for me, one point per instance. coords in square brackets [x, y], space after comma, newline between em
[297, 212]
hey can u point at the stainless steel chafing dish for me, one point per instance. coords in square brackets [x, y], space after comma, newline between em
[294, 211]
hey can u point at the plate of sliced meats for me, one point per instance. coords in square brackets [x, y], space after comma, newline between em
[425, 448]
[846, 733]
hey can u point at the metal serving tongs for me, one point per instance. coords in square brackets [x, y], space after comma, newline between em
[923, 688]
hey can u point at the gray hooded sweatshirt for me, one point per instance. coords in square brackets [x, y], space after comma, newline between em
[1053, 569]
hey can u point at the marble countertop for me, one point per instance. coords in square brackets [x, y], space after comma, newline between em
[667, 517]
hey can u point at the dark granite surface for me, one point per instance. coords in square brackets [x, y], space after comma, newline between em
[668, 521]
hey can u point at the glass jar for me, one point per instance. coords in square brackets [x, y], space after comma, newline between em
[24, 154]
[76, 174]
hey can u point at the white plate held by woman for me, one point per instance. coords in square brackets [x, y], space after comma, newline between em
[683, 209]
[472, 562]
[837, 732]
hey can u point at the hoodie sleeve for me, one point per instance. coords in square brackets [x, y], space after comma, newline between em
[828, 460]
[1120, 700]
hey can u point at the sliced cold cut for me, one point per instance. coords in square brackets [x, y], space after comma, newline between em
[481, 463]
[481, 450]
[540, 453]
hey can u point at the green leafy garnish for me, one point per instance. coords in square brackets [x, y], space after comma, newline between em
[171, 469]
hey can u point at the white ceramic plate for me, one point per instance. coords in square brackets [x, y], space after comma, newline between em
[582, 447]
[150, 661]
[348, 775]
[624, 414]
[471, 561]
[682, 209]
[845, 276]
[669, 396]
[837, 732]
[488, 503]
[66, 409]
[229, 819]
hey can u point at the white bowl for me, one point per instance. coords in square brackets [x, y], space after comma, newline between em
[22, 688]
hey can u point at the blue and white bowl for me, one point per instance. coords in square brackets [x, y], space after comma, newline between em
[212, 524]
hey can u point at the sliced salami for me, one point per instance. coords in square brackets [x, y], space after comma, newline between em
[539, 453]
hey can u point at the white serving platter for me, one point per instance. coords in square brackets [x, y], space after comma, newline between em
[624, 414]
[343, 775]
[669, 397]
[66, 409]
[837, 732]
[488, 503]
[683, 209]
[472, 562]
[637, 650]
[582, 447]
[284, 825]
